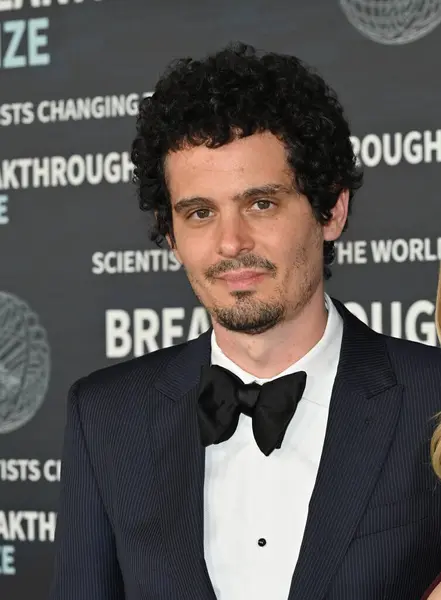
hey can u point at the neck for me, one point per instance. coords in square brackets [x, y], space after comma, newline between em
[267, 354]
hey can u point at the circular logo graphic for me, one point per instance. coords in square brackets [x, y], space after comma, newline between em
[24, 363]
[393, 21]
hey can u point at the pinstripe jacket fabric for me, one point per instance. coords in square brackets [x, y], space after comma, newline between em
[130, 522]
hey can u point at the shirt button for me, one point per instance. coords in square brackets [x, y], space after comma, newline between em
[262, 542]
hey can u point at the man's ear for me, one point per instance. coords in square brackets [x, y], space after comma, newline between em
[333, 229]
[172, 245]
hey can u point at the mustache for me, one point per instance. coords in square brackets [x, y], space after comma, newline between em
[248, 261]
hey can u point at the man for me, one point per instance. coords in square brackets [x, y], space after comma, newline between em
[284, 454]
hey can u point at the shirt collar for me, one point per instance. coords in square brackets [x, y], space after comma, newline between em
[320, 363]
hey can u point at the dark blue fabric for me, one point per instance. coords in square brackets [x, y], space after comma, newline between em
[130, 522]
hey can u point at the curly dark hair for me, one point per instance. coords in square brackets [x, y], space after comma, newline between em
[234, 93]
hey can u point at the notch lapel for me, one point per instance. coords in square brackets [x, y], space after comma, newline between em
[363, 414]
[180, 465]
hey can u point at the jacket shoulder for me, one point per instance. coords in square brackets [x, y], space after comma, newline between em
[420, 355]
[127, 378]
[417, 367]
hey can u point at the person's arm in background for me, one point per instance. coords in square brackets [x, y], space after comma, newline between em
[86, 565]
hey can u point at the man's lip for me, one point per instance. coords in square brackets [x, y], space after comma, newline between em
[241, 275]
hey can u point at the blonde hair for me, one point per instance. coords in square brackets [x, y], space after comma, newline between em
[435, 444]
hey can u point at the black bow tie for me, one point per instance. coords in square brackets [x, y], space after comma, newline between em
[223, 397]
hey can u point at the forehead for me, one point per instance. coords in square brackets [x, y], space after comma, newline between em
[245, 162]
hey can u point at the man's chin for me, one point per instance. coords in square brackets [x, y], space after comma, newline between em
[251, 320]
[248, 327]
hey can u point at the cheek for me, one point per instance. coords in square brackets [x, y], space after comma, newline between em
[185, 248]
[194, 268]
[192, 245]
[303, 254]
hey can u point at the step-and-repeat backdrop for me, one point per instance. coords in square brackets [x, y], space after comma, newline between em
[82, 287]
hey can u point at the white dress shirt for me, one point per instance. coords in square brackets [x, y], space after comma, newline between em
[250, 497]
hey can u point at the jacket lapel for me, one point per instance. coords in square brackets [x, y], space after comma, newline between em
[180, 464]
[363, 414]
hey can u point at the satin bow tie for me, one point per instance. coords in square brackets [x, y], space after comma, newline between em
[223, 397]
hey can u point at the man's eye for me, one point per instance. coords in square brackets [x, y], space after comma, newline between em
[263, 204]
[202, 213]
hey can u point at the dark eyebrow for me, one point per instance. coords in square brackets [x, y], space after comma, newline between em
[186, 203]
[269, 189]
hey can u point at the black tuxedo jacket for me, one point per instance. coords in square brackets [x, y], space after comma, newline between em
[130, 522]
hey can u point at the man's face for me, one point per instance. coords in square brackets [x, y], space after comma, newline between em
[250, 244]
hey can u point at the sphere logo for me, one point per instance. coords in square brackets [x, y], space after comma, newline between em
[393, 21]
[24, 363]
